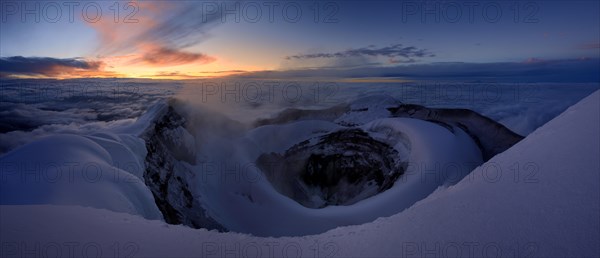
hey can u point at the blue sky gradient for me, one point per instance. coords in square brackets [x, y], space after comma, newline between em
[195, 38]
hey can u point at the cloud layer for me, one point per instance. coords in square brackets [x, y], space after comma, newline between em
[160, 35]
[30, 109]
[51, 67]
[393, 51]
[564, 70]
[162, 56]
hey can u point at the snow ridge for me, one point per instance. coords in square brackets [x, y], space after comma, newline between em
[550, 210]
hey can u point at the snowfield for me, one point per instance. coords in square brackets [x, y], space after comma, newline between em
[539, 198]
[254, 206]
[97, 171]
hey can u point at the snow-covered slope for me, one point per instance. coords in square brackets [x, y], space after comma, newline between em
[538, 198]
[308, 171]
[99, 171]
[267, 212]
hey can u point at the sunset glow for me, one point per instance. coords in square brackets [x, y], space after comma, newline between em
[189, 40]
[299, 128]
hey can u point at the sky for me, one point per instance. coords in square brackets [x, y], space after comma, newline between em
[551, 40]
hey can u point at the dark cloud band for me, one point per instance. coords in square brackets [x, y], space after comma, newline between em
[393, 51]
[41, 65]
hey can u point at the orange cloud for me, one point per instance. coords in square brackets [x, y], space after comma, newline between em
[177, 75]
[163, 56]
[151, 37]
[47, 67]
[151, 41]
[117, 36]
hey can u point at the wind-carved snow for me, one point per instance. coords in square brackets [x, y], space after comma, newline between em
[96, 171]
[542, 202]
[291, 175]
[425, 154]
[303, 172]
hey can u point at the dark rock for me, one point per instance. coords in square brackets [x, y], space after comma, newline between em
[166, 175]
[340, 168]
[491, 136]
